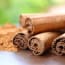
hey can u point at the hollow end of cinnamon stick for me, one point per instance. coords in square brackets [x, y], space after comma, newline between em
[35, 44]
[58, 45]
[20, 40]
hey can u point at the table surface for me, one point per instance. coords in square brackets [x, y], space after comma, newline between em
[26, 58]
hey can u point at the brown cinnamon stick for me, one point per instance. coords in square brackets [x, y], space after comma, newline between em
[58, 45]
[21, 40]
[41, 42]
[42, 23]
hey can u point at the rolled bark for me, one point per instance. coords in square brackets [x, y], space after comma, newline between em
[44, 23]
[41, 42]
[58, 45]
[21, 40]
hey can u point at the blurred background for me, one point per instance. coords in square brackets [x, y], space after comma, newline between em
[11, 9]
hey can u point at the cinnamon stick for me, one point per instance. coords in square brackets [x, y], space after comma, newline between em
[21, 40]
[43, 23]
[41, 42]
[58, 45]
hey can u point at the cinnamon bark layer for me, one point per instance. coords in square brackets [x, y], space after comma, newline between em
[58, 45]
[44, 23]
[41, 42]
[21, 40]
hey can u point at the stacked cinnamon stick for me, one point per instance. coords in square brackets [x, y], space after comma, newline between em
[41, 32]
[37, 32]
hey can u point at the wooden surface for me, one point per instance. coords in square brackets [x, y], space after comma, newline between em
[26, 58]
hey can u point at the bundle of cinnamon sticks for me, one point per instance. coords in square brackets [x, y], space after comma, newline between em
[41, 33]
[37, 32]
